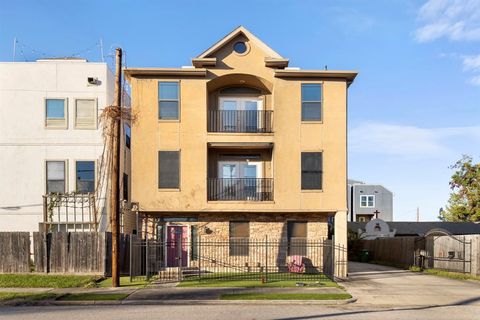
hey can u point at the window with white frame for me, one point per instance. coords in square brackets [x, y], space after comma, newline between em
[56, 113]
[367, 201]
[86, 113]
[56, 176]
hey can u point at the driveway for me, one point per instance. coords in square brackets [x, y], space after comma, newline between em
[376, 285]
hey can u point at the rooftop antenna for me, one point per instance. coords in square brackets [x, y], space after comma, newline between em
[14, 48]
[101, 50]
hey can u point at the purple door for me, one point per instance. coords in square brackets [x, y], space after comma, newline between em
[176, 246]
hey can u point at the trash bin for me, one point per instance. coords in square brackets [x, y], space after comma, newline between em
[365, 255]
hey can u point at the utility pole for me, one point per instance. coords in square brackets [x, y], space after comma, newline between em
[114, 174]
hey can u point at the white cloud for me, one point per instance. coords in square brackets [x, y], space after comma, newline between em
[409, 141]
[452, 19]
[475, 81]
[471, 63]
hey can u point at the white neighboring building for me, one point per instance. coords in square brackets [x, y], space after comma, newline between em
[50, 137]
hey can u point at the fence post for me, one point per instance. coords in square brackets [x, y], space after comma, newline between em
[199, 258]
[146, 256]
[179, 254]
[130, 257]
[266, 258]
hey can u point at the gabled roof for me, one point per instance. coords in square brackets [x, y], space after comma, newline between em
[238, 31]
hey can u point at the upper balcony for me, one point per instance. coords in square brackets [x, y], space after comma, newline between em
[240, 103]
[246, 121]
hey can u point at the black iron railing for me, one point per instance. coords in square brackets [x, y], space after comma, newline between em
[248, 189]
[255, 121]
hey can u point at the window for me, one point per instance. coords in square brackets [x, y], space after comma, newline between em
[239, 237]
[85, 176]
[367, 201]
[125, 186]
[240, 47]
[168, 169]
[297, 238]
[128, 136]
[168, 100]
[312, 170]
[55, 113]
[86, 113]
[56, 176]
[311, 102]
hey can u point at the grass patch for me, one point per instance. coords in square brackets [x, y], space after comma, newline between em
[94, 297]
[45, 281]
[251, 280]
[124, 282]
[26, 296]
[446, 274]
[285, 296]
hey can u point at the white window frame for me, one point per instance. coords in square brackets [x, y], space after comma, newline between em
[367, 198]
[93, 126]
[65, 173]
[56, 123]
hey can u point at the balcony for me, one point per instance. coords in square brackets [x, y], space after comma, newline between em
[248, 121]
[240, 189]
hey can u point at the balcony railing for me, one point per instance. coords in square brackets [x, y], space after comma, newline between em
[241, 189]
[255, 121]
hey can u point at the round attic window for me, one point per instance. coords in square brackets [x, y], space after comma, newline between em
[240, 47]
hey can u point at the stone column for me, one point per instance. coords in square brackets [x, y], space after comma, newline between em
[340, 241]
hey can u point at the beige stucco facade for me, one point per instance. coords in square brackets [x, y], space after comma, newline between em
[279, 151]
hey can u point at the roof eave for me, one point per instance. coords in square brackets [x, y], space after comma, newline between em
[180, 72]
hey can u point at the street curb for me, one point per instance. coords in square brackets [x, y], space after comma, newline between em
[192, 302]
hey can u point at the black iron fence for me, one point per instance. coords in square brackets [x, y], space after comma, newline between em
[235, 259]
[247, 189]
[259, 121]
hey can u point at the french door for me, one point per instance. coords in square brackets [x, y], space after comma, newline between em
[240, 179]
[241, 114]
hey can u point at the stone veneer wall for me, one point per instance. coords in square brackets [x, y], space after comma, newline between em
[272, 225]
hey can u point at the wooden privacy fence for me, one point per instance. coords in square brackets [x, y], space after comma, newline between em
[397, 251]
[61, 252]
[76, 252]
[14, 252]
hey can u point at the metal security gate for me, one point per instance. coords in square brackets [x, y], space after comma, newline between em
[444, 252]
[178, 258]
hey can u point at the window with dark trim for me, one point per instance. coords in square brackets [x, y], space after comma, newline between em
[312, 170]
[297, 238]
[239, 238]
[168, 169]
[125, 187]
[311, 102]
[85, 176]
[168, 100]
[56, 176]
[128, 135]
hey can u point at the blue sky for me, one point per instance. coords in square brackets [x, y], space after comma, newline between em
[413, 110]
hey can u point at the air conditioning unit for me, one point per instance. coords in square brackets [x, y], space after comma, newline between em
[93, 81]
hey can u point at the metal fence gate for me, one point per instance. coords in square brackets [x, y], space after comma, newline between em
[444, 252]
[234, 259]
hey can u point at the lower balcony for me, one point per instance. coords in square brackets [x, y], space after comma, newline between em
[240, 189]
